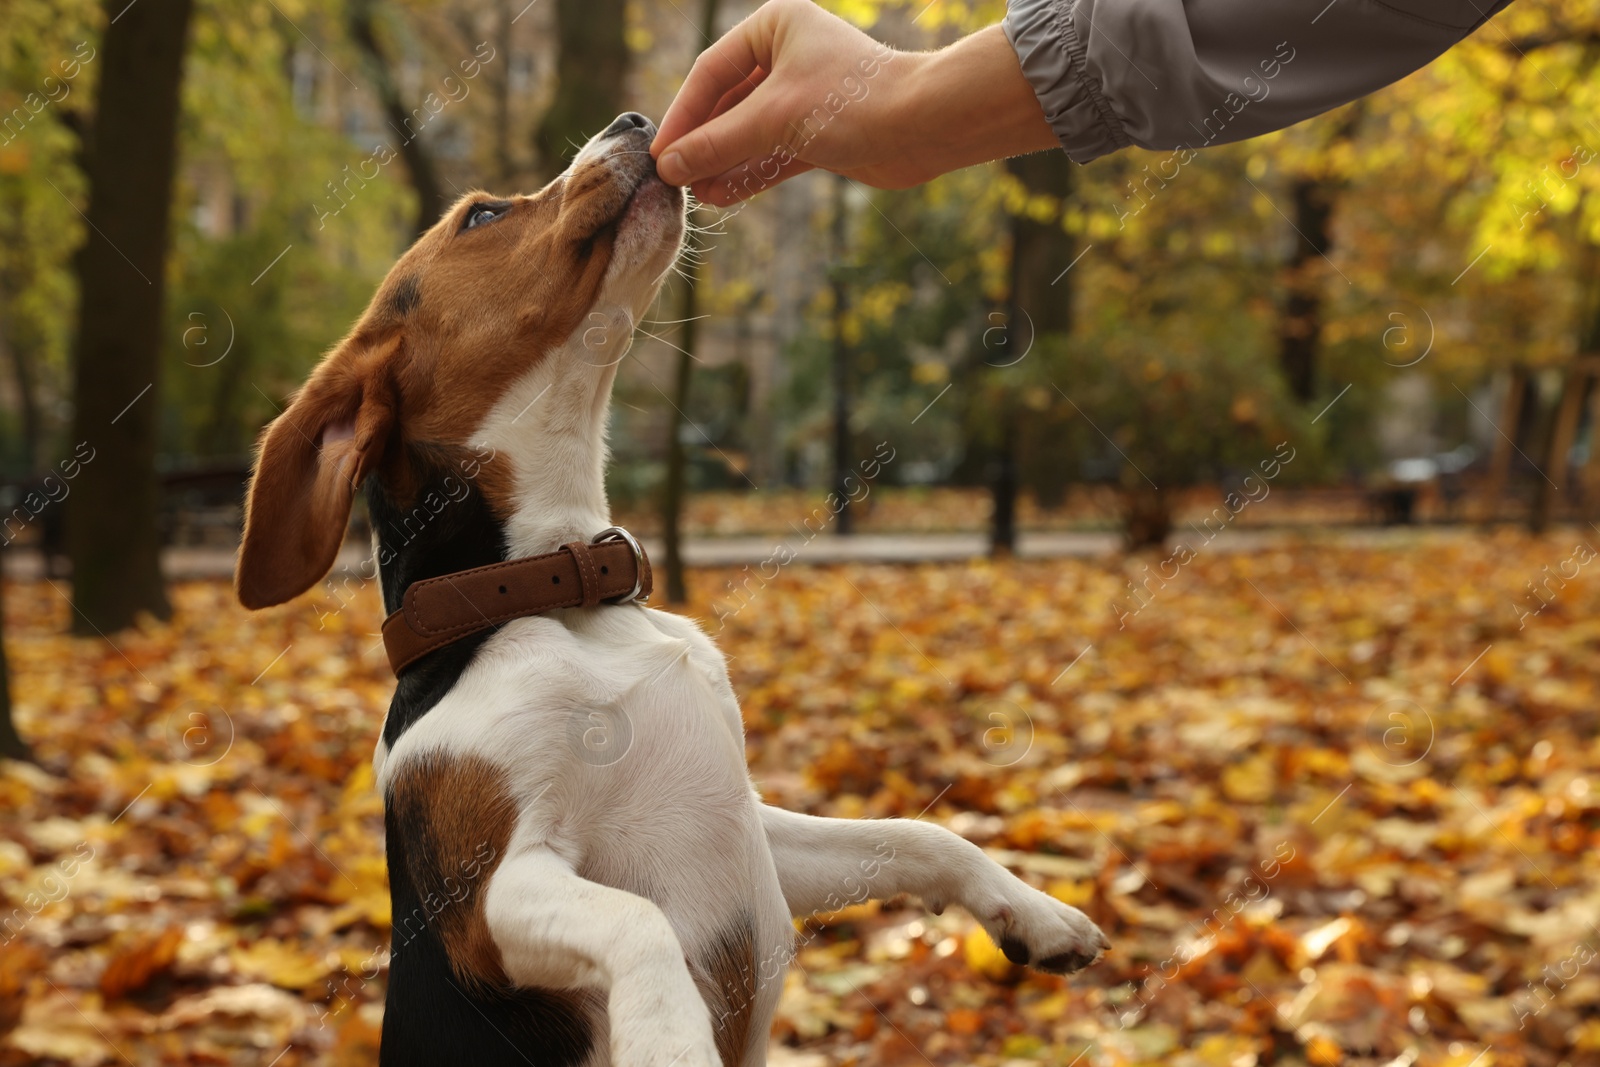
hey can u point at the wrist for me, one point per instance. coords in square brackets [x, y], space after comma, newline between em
[972, 104]
[909, 119]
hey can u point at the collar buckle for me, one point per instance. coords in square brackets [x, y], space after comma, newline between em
[617, 533]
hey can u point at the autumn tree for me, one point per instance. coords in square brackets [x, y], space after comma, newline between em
[398, 113]
[843, 368]
[21, 347]
[675, 485]
[1039, 306]
[113, 518]
[48, 62]
[591, 73]
[1314, 193]
[12, 746]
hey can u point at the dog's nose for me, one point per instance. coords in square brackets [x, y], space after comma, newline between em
[629, 120]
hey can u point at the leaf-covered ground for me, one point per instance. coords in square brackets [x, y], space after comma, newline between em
[1332, 805]
[945, 509]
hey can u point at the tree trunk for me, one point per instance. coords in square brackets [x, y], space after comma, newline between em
[406, 123]
[1040, 304]
[1003, 484]
[676, 487]
[500, 83]
[12, 746]
[114, 513]
[1509, 427]
[1300, 328]
[1551, 489]
[1149, 518]
[672, 498]
[1575, 390]
[591, 69]
[18, 352]
[497, 81]
[1041, 251]
[1587, 477]
[843, 464]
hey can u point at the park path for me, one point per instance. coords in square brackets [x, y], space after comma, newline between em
[185, 563]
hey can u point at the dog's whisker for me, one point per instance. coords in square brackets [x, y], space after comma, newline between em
[673, 322]
[669, 344]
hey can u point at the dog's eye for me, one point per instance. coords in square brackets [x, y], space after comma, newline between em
[482, 213]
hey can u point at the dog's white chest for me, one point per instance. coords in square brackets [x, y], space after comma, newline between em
[621, 742]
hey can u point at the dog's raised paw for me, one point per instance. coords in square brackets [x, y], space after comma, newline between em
[1015, 949]
[1047, 934]
[1067, 962]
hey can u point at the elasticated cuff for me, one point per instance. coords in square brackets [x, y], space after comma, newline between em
[1047, 44]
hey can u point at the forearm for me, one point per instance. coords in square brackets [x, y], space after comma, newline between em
[968, 104]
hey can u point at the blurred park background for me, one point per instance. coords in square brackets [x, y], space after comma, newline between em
[1216, 551]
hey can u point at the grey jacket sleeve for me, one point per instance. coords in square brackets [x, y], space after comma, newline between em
[1192, 73]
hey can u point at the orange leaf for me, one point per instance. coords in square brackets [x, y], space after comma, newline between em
[137, 964]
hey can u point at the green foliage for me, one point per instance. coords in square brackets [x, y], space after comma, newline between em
[1171, 361]
[1466, 238]
[1174, 358]
[924, 267]
[47, 78]
[244, 325]
[1465, 227]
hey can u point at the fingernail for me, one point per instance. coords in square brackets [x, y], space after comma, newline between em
[671, 168]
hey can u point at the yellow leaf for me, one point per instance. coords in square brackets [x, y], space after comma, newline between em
[985, 957]
[282, 964]
[1078, 893]
[1250, 781]
[1323, 1052]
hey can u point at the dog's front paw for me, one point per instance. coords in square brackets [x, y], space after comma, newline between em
[1035, 928]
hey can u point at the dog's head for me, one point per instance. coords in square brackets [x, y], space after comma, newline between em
[498, 292]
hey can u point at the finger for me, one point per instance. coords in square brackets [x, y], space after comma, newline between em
[719, 68]
[747, 180]
[738, 93]
[722, 143]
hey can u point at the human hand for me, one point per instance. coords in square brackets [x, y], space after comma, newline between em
[793, 87]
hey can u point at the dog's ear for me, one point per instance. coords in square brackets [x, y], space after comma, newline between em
[312, 459]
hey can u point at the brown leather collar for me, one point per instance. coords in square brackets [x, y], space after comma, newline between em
[439, 611]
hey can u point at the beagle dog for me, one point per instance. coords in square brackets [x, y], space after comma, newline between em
[581, 871]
